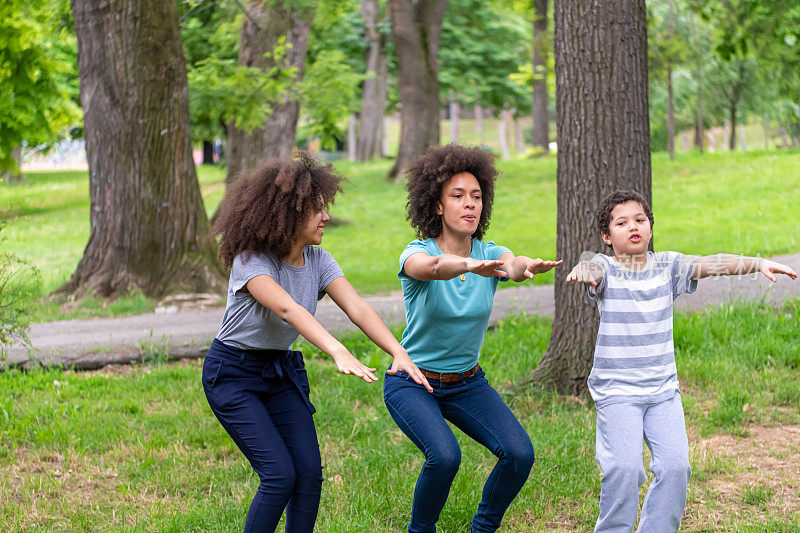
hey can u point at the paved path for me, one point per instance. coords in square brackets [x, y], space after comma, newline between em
[88, 344]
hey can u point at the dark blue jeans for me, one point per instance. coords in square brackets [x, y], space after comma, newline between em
[261, 399]
[475, 408]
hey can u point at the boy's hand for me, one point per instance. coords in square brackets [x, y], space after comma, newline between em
[770, 268]
[486, 269]
[539, 266]
[586, 272]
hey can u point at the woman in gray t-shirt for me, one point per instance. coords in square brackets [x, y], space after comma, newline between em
[270, 225]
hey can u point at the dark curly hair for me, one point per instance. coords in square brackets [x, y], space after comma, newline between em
[426, 178]
[266, 206]
[603, 216]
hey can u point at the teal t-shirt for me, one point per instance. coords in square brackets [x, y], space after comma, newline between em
[447, 320]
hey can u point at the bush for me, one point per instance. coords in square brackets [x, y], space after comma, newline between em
[18, 290]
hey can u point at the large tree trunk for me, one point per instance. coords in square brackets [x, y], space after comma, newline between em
[370, 128]
[147, 219]
[16, 175]
[208, 152]
[539, 109]
[604, 144]
[265, 23]
[416, 27]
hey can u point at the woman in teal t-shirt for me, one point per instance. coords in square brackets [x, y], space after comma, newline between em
[449, 278]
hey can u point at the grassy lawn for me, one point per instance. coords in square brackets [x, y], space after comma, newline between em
[733, 202]
[138, 449]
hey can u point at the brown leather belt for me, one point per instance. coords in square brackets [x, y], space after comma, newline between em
[451, 377]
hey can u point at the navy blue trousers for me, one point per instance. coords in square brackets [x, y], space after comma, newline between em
[475, 408]
[261, 399]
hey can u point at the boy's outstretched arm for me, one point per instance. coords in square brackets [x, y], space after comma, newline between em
[586, 272]
[732, 265]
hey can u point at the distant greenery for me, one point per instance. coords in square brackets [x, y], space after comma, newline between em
[142, 450]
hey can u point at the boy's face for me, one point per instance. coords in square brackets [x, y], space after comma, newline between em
[629, 232]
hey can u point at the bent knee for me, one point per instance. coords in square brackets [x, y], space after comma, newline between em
[277, 480]
[624, 472]
[520, 456]
[446, 459]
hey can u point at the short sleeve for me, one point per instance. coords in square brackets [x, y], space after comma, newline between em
[414, 247]
[327, 267]
[493, 251]
[247, 265]
[681, 273]
[592, 292]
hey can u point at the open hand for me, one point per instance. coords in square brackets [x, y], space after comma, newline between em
[347, 364]
[404, 363]
[770, 268]
[586, 272]
[539, 266]
[485, 268]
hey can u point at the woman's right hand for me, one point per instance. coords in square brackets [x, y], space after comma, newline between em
[586, 272]
[348, 364]
[485, 268]
[403, 362]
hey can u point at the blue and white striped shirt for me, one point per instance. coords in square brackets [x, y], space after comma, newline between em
[634, 358]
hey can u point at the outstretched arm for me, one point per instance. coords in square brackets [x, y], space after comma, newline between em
[732, 265]
[272, 296]
[520, 267]
[364, 316]
[426, 267]
[586, 272]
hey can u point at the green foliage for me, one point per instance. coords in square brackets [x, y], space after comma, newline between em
[481, 47]
[330, 90]
[38, 75]
[221, 90]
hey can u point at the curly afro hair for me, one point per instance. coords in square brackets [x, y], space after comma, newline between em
[265, 208]
[427, 176]
[603, 216]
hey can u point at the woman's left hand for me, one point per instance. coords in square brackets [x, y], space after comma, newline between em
[539, 266]
[404, 363]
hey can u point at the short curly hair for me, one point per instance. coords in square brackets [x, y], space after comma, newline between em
[265, 208]
[603, 216]
[427, 176]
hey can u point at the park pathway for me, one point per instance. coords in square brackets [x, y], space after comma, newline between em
[93, 343]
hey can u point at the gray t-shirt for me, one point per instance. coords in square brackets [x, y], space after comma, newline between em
[247, 324]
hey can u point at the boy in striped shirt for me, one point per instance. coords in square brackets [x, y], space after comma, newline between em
[633, 381]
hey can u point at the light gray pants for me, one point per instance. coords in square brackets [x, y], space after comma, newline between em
[620, 428]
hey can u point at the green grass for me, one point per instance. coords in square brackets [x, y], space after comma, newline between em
[141, 450]
[732, 202]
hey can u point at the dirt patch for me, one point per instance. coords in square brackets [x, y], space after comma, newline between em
[752, 479]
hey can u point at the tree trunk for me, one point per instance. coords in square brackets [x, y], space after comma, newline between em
[539, 109]
[416, 27]
[699, 134]
[264, 24]
[454, 112]
[670, 116]
[148, 223]
[208, 152]
[502, 134]
[370, 128]
[726, 132]
[14, 176]
[604, 145]
[479, 122]
[352, 138]
[732, 128]
[519, 142]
